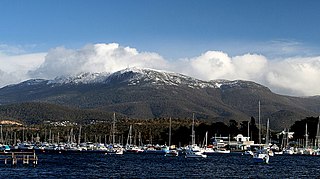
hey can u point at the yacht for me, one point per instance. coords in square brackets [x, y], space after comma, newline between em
[261, 156]
[192, 154]
[172, 153]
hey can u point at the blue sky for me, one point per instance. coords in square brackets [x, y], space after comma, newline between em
[179, 28]
[273, 42]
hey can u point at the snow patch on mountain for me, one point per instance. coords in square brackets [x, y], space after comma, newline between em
[157, 77]
[82, 78]
[235, 83]
[31, 82]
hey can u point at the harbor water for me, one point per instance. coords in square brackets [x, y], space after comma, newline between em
[94, 165]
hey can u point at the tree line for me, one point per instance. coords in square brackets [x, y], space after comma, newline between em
[155, 131]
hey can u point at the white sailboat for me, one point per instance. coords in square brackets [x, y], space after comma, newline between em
[270, 152]
[317, 143]
[248, 151]
[170, 152]
[207, 150]
[307, 150]
[113, 149]
[194, 151]
[262, 155]
[129, 147]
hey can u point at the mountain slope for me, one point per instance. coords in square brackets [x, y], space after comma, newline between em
[146, 93]
[37, 113]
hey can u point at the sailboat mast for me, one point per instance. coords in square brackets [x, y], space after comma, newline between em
[71, 135]
[248, 130]
[139, 139]
[259, 125]
[193, 132]
[287, 138]
[170, 133]
[130, 135]
[206, 140]
[318, 133]
[1, 137]
[58, 138]
[79, 136]
[267, 135]
[306, 135]
[113, 128]
[150, 140]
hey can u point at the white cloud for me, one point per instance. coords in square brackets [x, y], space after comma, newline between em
[212, 65]
[293, 76]
[218, 65]
[14, 69]
[250, 66]
[95, 58]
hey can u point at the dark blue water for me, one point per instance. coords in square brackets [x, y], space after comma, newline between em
[158, 166]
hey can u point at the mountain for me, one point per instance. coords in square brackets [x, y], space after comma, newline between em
[147, 93]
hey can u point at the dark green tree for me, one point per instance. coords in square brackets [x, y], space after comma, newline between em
[233, 128]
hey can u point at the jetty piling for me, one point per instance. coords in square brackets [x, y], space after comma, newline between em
[14, 157]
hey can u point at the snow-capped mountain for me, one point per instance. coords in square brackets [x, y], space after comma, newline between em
[138, 76]
[147, 93]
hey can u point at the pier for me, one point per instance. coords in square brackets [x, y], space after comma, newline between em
[14, 157]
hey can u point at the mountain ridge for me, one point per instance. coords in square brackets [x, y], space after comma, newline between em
[147, 93]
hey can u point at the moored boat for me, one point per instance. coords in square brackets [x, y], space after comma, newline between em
[222, 151]
[133, 150]
[114, 151]
[192, 154]
[172, 153]
[248, 152]
[261, 157]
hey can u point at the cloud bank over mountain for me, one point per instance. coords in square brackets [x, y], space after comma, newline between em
[15, 68]
[291, 76]
[95, 58]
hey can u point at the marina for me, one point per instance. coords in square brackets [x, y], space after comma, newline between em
[98, 165]
[159, 89]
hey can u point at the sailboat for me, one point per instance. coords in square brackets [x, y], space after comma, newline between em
[286, 149]
[317, 143]
[129, 147]
[113, 149]
[207, 150]
[307, 150]
[248, 151]
[171, 153]
[262, 155]
[193, 151]
[270, 152]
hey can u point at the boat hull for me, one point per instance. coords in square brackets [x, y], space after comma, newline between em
[261, 158]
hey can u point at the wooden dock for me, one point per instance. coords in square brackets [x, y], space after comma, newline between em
[13, 158]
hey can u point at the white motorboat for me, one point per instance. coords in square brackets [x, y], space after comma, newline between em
[115, 151]
[172, 153]
[192, 154]
[222, 151]
[261, 157]
[248, 152]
